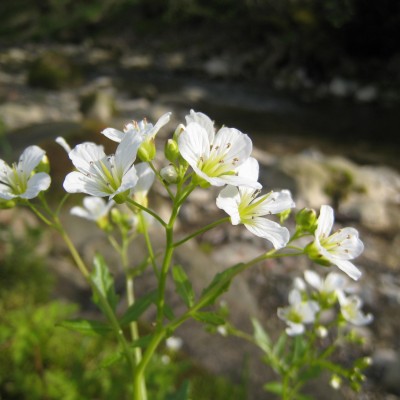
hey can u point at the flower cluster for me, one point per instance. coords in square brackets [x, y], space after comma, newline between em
[312, 296]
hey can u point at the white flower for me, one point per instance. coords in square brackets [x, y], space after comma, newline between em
[145, 179]
[298, 313]
[174, 343]
[243, 206]
[338, 248]
[215, 157]
[19, 179]
[333, 282]
[101, 175]
[350, 308]
[94, 208]
[142, 128]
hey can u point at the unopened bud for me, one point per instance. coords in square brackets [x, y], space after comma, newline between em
[171, 150]
[180, 128]
[336, 382]
[306, 219]
[147, 151]
[44, 165]
[169, 174]
[6, 204]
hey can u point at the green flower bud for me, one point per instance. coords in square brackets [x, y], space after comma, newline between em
[44, 165]
[4, 204]
[171, 150]
[180, 128]
[169, 174]
[306, 220]
[147, 151]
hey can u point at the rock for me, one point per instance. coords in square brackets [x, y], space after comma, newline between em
[386, 369]
[98, 105]
[54, 70]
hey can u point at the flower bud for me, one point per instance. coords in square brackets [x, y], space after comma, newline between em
[6, 204]
[147, 151]
[180, 128]
[336, 382]
[44, 165]
[321, 332]
[306, 220]
[169, 174]
[171, 150]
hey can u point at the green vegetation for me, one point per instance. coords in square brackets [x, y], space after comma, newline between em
[41, 360]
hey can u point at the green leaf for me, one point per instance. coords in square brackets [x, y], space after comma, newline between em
[168, 312]
[274, 387]
[279, 347]
[219, 284]
[183, 285]
[86, 327]
[138, 308]
[182, 394]
[104, 283]
[310, 373]
[111, 359]
[142, 342]
[261, 337]
[209, 318]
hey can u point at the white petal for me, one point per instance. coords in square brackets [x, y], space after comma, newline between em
[249, 169]
[193, 143]
[163, 120]
[313, 279]
[294, 329]
[129, 181]
[203, 121]
[349, 268]
[228, 200]
[63, 143]
[145, 178]
[76, 182]
[6, 192]
[30, 158]
[82, 213]
[294, 297]
[275, 202]
[113, 134]
[350, 245]
[239, 145]
[270, 230]
[37, 183]
[236, 181]
[335, 281]
[325, 221]
[5, 170]
[84, 153]
[126, 152]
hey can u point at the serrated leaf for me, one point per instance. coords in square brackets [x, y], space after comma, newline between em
[261, 337]
[220, 284]
[209, 318]
[183, 285]
[86, 327]
[274, 387]
[104, 282]
[182, 394]
[134, 311]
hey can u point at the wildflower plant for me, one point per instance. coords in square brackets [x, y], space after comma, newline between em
[117, 199]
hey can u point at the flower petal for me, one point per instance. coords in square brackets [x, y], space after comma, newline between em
[113, 134]
[126, 152]
[204, 121]
[6, 192]
[313, 279]
[85, 153]
[145, 178]
[325, 221]
[274, 203]
[349, 268]
[37, 183]
[76, 182]
[228, 200]
[249, 169]
[29, 159]
[270, 230]
[193, 143]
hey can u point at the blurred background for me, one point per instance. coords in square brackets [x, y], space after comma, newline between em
[316, 85]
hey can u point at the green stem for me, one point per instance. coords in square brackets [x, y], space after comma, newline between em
[147, 210]
[148, 244]
[200, 231]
